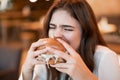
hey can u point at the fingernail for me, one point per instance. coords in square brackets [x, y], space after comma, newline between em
[52, 65]
[47, 47]
[58, 39]
[44, 41]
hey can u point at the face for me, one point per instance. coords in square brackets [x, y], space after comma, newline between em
[63, 25]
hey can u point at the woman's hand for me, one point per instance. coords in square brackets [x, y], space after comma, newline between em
[31, 61]
[74, 66]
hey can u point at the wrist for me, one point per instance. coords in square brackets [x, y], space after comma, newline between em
[27, 68]
[27, 74]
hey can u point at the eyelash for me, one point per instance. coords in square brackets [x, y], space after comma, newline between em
[64, 29]
[68, 29]
[52, 27]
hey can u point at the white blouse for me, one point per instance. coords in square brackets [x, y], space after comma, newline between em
[106, 66]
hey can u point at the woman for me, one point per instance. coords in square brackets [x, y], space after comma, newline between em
[74, 25]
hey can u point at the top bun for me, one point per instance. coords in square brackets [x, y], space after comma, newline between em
[49, 57]
[52, 42]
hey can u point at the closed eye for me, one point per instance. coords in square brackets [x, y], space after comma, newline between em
[68, 27]
[64, 27]
[52, 26]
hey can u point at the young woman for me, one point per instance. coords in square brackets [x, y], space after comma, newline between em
[74, 25]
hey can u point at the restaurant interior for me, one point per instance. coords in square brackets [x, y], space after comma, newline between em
[20, 25]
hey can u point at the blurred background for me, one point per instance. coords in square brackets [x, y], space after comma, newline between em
[20, 26]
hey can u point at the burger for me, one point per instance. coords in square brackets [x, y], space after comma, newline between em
[49, 57]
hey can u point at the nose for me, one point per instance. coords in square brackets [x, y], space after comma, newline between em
[58, 33]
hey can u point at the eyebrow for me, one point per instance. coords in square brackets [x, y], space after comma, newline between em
[68, 26]
[62, 25]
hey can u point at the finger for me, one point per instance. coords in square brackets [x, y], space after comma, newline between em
[37, 44]
[64, 67]
[70, 50]
[38, 52]
[61, 54]
[59, 65]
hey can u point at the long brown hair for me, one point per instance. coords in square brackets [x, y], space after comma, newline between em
[82, 12]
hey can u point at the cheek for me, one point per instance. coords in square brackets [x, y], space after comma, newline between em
[74, 40]
[50, 34]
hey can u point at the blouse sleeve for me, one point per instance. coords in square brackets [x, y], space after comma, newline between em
[20, 77]
[40, 73]
[109, 68]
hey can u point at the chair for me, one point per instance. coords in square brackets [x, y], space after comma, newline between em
[9, 62]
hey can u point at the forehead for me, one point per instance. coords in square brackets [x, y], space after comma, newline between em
[63, 17]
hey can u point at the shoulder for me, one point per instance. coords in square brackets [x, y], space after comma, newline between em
[104, 54]
[106, 63]
[104, 50]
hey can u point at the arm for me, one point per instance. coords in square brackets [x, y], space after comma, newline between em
[27, 74]
[31, 61]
